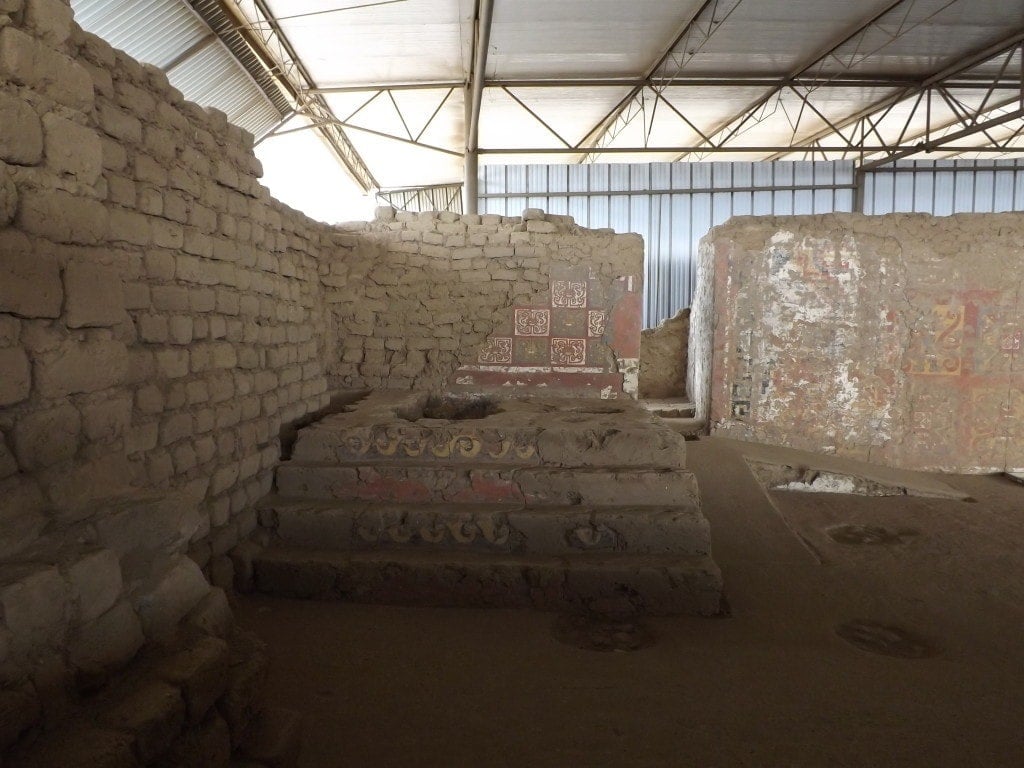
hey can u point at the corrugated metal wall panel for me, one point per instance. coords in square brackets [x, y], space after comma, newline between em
[673, 205]
[944, 187]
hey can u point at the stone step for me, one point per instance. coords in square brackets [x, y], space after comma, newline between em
[530, 487]
[606, 583]
[670, 408]
[558, 444]
[554, 530]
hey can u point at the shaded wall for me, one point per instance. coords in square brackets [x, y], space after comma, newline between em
[163, 319]
[442, 301]
[894, 339]
[160, 318]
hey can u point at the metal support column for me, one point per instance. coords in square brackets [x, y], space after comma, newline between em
[474, 95]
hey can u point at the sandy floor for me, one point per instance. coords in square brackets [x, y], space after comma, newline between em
[773, 685]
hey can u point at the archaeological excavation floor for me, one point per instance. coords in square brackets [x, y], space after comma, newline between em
[773, 685]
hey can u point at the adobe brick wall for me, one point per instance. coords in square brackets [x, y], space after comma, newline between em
[894, 339]
[162, 319]
[443, 302]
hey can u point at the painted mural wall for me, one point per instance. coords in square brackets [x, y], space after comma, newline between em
[893, 339]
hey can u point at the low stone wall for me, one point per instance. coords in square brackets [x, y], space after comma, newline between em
[663, 352]
[893, 339]
[441, 301]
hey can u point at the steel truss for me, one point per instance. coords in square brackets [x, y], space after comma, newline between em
[275, 58]
[436, 197]
[983, 92]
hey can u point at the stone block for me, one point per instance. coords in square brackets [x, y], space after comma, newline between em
[96, 583]
[212, 615]
[50, 20]
[207, 746]
[22, 517]
[119, 124]
[170, 298]
[202, 673]
[95, 295]
[141, 439]
[62, 217]
[131, 227]
[15, 376]
[177, 591]
[149, 399]
[153, 714]
[30, 283]
[107, 420]
[72, 148]
[541, 227]
[80, 745]
[34, 602]
[147, 522]
[8, 196]
[173, 363]
[180, 329]
[19, 711]
[25, 60]
[107, 642]
[45, 438]
[81, 367]
[8, 465]
[21, 141]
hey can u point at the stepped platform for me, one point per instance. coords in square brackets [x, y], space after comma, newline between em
[406, 498]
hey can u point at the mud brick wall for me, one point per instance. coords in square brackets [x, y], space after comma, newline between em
[160, 319]
[163, 319]
[893, 339]
[442, 301]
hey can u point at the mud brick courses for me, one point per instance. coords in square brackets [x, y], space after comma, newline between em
[896, 339]
[163, 319]
[160, 319]
[414, 295]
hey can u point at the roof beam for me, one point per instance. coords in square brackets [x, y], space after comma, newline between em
[735, 124]
[866, 120]
[703, 24]
[290, 75]
[753, 150]
[737, 80]
[474, 97]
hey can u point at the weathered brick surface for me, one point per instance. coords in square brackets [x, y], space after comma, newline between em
[810, 348]
[163, 319]
[438, 300]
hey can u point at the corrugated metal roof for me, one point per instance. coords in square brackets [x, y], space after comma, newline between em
[213, 77]
[152, 31]
[161, 32]
[877, 47]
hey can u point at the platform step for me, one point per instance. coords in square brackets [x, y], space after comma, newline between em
[556, 530]
[557, 438]
[530, 487]
[670, 408]
[619, 583]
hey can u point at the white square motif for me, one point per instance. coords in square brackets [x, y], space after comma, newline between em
[568, 293]
[533, 322]
[496, 351]
[568, 351]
